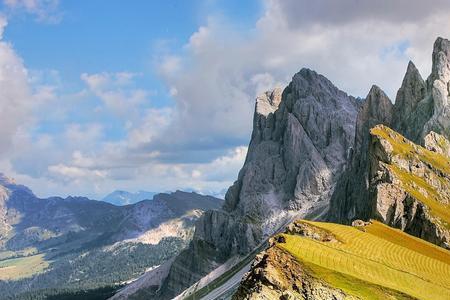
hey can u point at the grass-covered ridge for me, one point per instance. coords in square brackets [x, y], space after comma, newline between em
[374, 262]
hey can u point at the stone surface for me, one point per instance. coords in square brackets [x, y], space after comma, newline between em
[439, 89]
[410, 185]
[275, 274]
[349, 199]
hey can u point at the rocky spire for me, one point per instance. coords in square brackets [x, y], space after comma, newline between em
[351, 190]
[441, 61]
[412, 109]
[439, 84]
[376, 109]
[413, 90]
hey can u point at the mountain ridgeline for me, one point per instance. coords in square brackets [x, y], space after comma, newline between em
[76, 246]
[318, 153]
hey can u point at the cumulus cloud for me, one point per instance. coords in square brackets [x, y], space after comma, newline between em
[16, 100]
[113, 89]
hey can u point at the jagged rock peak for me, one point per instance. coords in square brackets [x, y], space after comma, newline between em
[377, 108]
[377, 102]
[412, 90]
[441, 73]
[268, 101]
[439, 85]
[441, 60]
[412, 108]
[309, 82]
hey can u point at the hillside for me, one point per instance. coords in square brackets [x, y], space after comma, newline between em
[55, 245]
[315, 260]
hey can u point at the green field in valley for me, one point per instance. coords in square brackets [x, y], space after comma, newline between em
[22, 267]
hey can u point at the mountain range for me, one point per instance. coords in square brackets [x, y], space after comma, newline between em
[317, 153]
[55, 246]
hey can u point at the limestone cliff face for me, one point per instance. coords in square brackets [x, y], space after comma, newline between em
[410, 185]
[299, 146]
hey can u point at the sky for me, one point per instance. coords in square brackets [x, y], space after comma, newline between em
[159, 95]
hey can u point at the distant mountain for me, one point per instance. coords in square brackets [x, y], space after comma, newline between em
[124, 198]
[55, 245]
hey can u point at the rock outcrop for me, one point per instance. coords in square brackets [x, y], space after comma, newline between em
[298, 148]
[410, 185]
[349, 197]
[421, 114]
[276, 274]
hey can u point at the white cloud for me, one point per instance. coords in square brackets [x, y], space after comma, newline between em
[44, 10]
[16, 101]
[115, 92]
[98, 175]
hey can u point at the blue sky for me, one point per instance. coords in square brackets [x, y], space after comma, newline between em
[108, 36]
[159, 95]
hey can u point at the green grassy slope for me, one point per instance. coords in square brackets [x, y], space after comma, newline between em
[374, 262]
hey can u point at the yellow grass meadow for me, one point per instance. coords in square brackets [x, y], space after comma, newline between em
[17, 268]
[373, 261]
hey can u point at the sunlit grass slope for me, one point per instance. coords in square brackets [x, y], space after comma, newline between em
[374, 262]
[17, 268]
